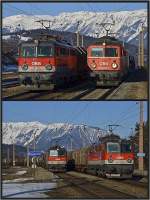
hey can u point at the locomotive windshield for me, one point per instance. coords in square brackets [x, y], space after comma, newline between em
[28, 51]
[113, 147]
[104, 52]
[57, 152]
[126, 148]
[43, 51]
[111, 52]
[53, 153]
[97, 52]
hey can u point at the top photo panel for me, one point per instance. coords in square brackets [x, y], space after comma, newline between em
[75, 51]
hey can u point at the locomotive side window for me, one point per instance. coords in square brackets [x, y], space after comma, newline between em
[53, 153]
[28, 51]
[97, 52]
[126, 148]
[113, 147]
[111, 52]
[43, 51]
[64, 52]
[57, 51]
[72, 52]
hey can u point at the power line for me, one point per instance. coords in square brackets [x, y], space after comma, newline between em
[123, 114]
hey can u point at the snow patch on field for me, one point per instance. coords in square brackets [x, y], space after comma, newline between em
[26, 190]
[21, 172]
[17, 180]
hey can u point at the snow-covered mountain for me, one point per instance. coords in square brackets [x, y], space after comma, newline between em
[127, 24]
[69, 135]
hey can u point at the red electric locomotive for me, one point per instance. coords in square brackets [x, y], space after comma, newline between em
[49, 61]
[109, 61]
[56, 159]
[112, 159]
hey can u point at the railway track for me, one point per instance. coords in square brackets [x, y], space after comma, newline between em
[10, 83]
[82, 91]
[89, 188]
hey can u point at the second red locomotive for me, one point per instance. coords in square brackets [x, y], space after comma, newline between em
[109, 61]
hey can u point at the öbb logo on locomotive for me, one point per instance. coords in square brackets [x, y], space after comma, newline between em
[56, 62]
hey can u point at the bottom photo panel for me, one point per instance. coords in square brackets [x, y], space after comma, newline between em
[76, 149]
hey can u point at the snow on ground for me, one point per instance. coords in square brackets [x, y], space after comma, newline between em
[17, 180]
[26, 190]
[21, 172]
[9, 68]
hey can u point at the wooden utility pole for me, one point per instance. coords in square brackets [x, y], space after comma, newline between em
[71, 144]
[78, 35]
[27, 155]
[8, 155]
[14, 163]
[141, 48]
[82, 40]
[34, 142]
[141, 163]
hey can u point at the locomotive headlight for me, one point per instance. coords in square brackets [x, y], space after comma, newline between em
[48, 67]
[25, 67]
[93, 65]
[114, 65]
[129, 160]
[110, 160]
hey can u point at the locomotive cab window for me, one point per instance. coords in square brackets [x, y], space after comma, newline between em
[113, 147]
[28, 51]
[97, 52]
[53, 153]
[61, 152]
[43, 51]
[111, 52]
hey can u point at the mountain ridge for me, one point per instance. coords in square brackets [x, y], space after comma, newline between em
[127, 23]
[66, 134]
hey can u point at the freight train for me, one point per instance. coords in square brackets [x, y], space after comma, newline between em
[48, 61]
[109, 61]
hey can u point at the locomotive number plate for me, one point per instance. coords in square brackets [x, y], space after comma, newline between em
[36, 63]
[103, 64]
[115, 175]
